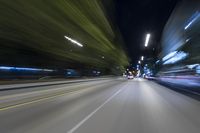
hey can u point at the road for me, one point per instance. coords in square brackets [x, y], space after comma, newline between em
[104, 106]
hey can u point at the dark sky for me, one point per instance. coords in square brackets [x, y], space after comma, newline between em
[138, 17]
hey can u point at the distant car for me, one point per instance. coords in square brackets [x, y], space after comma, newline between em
[130, 77]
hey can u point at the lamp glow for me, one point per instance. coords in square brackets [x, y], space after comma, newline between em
[73, 41]
[142, 58]
[147, 40]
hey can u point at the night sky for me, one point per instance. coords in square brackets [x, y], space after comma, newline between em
[136, 18]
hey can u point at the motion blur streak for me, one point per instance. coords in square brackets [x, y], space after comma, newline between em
[147, 40]
[195, 17]
[180, 58]
[73, 41]
[40, 27]
[23, 69]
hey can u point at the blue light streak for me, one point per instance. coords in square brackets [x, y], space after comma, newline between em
[194, 18]
[176, 57]
[8, 68]
[170, 55]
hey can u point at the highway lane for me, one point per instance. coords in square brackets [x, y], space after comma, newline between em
[17, 96]
[108, 106]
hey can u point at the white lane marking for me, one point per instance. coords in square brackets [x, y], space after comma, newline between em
[91, 114]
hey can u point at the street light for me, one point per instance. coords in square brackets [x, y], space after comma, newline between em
[73, 41]
[139, 62]
[147, 40]
[142, 58]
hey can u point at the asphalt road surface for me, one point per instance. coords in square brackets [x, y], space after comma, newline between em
[104, 106]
